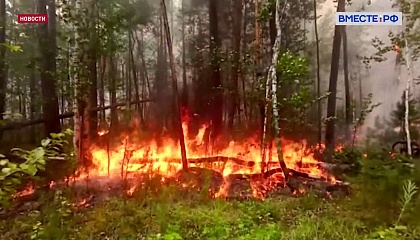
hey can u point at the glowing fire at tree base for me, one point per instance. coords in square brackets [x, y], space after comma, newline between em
[238, 163]
[235, 172]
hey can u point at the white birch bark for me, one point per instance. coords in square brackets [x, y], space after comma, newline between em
[264, 136]
[407, 96]
[77, 137]
[272, 77]
[408, 61]
[268, 85]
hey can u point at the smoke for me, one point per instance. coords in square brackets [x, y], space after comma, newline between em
[382, 79]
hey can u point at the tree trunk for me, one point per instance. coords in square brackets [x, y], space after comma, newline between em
[93, 73]
[272, 26]
[184, 94]
[3, 77]
[32, 86]
[318, 75]
[160, 85]
[332, 89]
[348, 108]
[81, 138]
[236, 32]
[407, 98]
[216, 110]
[143, 77]
[113, 91]
[144, 74]
[47, 48]
[102, 87]
[244, 51]
[135, 77]
[24, 95]
[272, 77]
[175, 89]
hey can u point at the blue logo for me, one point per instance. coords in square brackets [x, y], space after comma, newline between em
[369, 18]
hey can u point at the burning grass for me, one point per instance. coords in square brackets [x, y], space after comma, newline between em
[166, 207]
[233, 171]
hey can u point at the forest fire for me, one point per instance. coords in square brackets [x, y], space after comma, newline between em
[132, 159]
[234, 171]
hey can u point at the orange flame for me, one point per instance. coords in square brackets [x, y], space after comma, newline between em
[131, 159]
[146, 157]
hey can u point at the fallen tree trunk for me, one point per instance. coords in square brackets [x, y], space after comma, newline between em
[18, 125]
[244, 163]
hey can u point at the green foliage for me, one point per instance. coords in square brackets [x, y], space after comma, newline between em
[410, 34]
[56, 218]
[384, 128]
[399, 231]
[294, 89]
[409, 190]
[13, 48]
[350, 157]
[293, 35]
[13, 175]
[398, 117]
[370, 213]
[380, 175]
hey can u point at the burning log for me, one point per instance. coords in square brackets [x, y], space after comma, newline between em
[230, 187]
[130, 168]
[247, 164]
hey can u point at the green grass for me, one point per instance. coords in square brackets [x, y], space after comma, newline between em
[284, 217]
[165, 217]
[371, 212]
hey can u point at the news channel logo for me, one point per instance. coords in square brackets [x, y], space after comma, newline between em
[369, 18]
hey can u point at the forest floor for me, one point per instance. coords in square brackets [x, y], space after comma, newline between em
[371, 211]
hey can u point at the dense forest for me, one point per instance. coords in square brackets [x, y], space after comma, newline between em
[208, 119]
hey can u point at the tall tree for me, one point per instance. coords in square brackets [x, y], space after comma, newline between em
[175, 89]
[3, 77]
[184, 98]
[347, 96]
[92, 68]
[236, 32]
[216, 110]
[332, 88]
[318, 75]
[48, 51]
[407, 97]
[273, 78]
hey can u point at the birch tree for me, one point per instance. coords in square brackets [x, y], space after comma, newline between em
[407, 96]
[406, 44]
[410, 22]
[273, 82]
